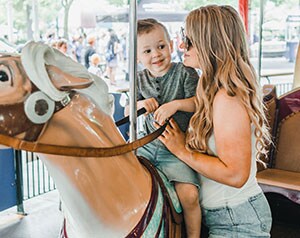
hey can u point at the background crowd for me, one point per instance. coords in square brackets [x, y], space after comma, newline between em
[103, 53]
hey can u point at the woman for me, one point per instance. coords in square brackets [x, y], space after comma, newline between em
[112, 50]
[228, 131]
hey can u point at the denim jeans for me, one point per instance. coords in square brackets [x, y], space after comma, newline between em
[174, 169]
[249, 219]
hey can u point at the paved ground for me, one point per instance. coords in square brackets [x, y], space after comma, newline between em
[43, 219]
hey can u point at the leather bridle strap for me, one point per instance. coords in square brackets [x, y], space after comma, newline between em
[19, 144]
[126, 119]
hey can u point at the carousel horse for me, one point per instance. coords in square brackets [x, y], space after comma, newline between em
[52, 106]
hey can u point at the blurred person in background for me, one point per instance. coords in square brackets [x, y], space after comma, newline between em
[62, 46]
[90, 50]
[94, 65]
[112, 57]
[77, 44]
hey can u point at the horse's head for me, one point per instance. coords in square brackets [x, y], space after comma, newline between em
[39, 83]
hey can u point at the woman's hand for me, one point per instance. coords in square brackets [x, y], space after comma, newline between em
[173, 138]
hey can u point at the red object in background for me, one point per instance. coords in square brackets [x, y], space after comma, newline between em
[243, 9]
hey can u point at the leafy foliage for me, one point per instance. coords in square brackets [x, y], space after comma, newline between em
[22, 10]
[192, 4]
[118, 3]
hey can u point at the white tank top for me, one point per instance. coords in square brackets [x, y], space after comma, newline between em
[214, 194]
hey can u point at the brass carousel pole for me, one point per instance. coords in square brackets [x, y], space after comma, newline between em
[132, 69]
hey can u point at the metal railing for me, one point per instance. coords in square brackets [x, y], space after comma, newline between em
[32, 178]
[269, 75]
[281, 88]
[36, 179]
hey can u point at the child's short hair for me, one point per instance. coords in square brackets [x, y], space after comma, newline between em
[148, 24]
[61, 42]
[95, 58]
[91, 39]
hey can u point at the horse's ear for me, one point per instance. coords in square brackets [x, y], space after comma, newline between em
[64, 81]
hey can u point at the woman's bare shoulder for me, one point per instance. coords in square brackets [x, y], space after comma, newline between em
[225, 104]
[222, 97]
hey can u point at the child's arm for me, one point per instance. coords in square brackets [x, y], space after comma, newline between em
[150, 104]
[166, 110]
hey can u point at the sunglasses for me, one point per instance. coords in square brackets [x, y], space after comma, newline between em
[187, 42]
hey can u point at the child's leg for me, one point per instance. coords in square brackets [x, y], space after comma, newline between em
[188, 195]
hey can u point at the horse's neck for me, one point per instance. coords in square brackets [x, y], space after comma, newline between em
[110, 189]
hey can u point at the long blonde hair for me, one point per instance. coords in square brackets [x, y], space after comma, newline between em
[219, 38]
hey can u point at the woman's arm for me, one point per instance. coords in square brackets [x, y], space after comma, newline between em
[232, 131]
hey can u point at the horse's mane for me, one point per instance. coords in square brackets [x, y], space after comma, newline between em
[35, 56]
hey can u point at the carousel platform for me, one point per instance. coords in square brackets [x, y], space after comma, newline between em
[42, 220]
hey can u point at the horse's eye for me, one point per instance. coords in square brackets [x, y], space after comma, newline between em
[3, 76]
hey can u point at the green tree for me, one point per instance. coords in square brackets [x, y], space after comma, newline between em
[256, 3]
[66, 5]
[18, 14]
[118, 3]
[22, 16]
[191, 4]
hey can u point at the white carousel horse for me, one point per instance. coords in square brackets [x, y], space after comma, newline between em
[46, 98]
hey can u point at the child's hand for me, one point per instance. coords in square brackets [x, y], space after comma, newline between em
[164, 112]
[149, 104]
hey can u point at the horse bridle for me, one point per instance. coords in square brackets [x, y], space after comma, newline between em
[15, 121]
[32, 131]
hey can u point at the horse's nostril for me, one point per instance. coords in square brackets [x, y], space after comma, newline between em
[3, 76]
[41, 107]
